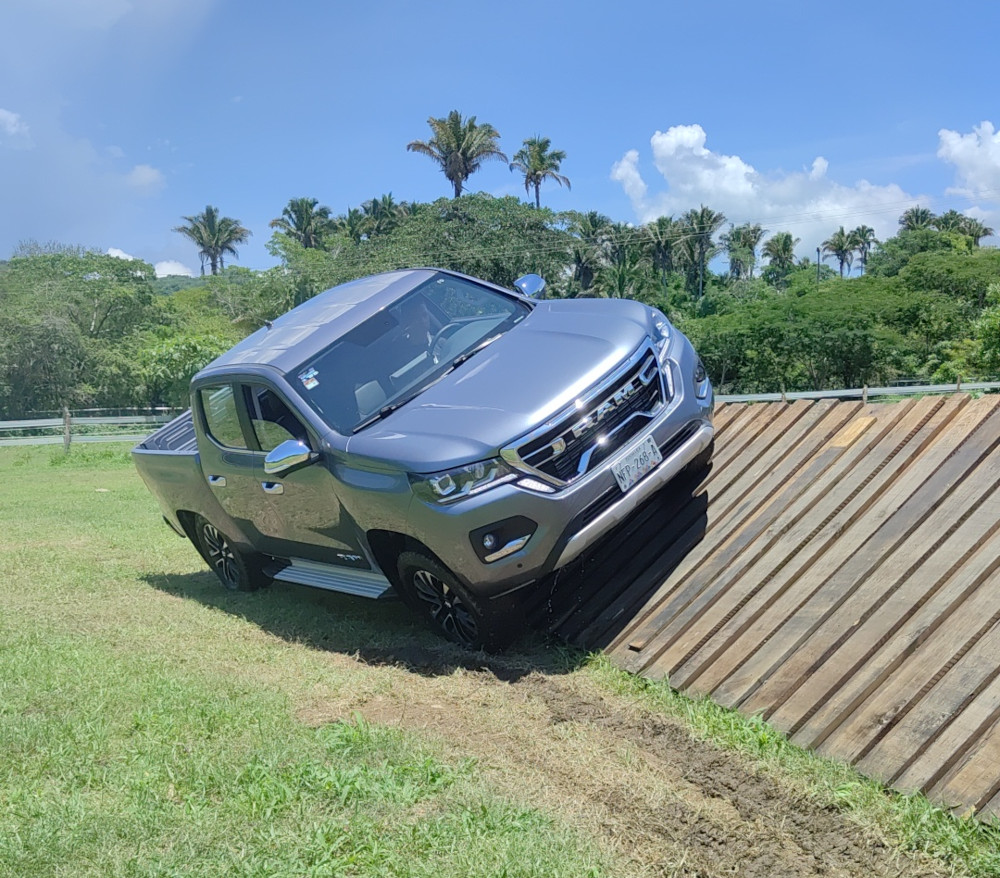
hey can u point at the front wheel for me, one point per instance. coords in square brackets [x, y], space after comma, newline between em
[236, 570]
[434, 591]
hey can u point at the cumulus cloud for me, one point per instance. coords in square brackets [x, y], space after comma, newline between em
[171, 267]
[145, 179]
[119, 254]
[976, 157]
[806, 202]
[13, 129]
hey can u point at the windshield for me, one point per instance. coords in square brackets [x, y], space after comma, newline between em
[403, 349]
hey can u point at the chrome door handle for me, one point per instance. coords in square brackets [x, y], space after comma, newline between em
[217, 481]
[273, 487]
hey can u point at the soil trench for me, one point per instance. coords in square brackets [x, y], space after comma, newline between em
[657, 799]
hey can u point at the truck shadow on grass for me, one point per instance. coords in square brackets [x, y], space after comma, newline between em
[579, 610]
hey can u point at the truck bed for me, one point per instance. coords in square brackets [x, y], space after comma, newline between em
[178, 436]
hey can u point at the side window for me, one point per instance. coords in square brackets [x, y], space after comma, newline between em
[219, 405]
[272, 420]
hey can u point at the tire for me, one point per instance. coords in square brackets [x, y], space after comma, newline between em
[236, 570]
[432, 590]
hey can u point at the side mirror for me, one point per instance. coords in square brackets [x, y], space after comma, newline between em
[531, 285]
[289, 454]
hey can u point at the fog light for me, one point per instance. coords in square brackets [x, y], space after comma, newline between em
[699, 373]
[489, 542]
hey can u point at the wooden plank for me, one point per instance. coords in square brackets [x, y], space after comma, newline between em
[797, 539]
[940, 709]
[902, 690]
[804, 542]
[963, 763]
[920, 562]
[905, 502]
[731, 534]
[709, 581]
[840, 687]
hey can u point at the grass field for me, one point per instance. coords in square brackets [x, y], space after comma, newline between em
[152, 724]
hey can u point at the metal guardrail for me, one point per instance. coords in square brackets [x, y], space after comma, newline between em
[81, 428]
[863, 393]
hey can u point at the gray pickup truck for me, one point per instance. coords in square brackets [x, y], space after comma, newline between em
[429, 433]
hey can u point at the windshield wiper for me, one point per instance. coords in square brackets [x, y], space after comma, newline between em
[461, 358]
[383, 412]
[387, 410]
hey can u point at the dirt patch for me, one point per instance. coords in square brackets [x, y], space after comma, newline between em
[659, 800]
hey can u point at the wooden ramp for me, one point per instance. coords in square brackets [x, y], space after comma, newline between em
[836, 572]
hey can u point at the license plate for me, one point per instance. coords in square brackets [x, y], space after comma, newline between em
[634, 465]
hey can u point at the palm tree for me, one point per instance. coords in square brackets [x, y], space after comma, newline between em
[914, 218]
[741, 244]
[459, 146]
[780, 252]
[306, 221]
[841, 245]
[537, 162]
[353, 224]
[383, 214]
[215, 236]
[864, 240]
[699, 227]
[975, 229]
[659, 238]
[590, 231]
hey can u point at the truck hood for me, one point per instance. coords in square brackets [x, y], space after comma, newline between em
[511, 387]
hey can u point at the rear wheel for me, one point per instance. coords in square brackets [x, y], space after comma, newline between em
[434, 591]
[236, 570]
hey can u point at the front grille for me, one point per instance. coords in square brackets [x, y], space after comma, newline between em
[599, 425]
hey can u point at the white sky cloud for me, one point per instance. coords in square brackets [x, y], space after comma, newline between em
[171, 267]
[145, 179]
[11, 123]
[119, 254]
[976, 158]
[807, 203]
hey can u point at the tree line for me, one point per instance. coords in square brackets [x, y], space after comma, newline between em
[81, 328]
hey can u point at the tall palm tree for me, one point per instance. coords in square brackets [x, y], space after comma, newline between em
[699, 227]
[214, 235]
[780, 252]
[841, 245]
[538, 163]
[659, 238]
[864, 240]
[914, 218]
[591, 231]
[975, 229]
[949, 221]
[741, 244]
[459, 146]
[305, 220]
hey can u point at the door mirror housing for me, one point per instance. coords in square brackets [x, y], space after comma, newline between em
[288, 455]
[531, 285]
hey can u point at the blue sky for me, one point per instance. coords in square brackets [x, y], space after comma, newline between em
[119, 117]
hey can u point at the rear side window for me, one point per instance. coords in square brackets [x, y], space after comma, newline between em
[219, 406]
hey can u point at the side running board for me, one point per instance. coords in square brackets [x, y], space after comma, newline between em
[364, 583]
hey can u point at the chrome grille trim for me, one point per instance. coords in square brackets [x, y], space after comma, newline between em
[602, 420]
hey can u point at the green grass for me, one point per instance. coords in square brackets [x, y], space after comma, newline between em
[142, 733]
[148, 720]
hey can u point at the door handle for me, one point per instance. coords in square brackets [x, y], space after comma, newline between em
[273, 487]
[217, 481]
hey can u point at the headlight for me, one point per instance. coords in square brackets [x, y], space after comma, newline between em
[463, 481]
[661, 332]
